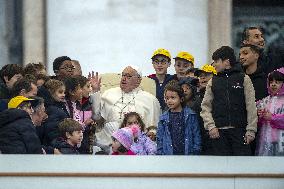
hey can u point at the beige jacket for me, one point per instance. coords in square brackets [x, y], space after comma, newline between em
[206, 106]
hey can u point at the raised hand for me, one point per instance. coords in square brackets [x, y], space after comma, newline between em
[95, 81]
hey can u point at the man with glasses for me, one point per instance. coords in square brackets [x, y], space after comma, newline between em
[161, 61]
[117, 102]
[63, 67]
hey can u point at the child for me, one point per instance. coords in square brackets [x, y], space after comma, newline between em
[228, 106]
[152, 132]
[142, 145]
[122, 139]
[53, 93]
[271, 117]
[161, 61]
[183, 62]
[73, 97]
[178, 131]
[71, 136]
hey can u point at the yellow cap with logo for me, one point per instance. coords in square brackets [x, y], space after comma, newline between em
[162, 52]
[186, 56]
[16, 101]
[209, 69]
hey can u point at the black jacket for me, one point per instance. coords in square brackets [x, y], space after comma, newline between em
[259, 81]
[17, 133]
[4, 91]
[228, 106]
[56, 112]
[64, 147]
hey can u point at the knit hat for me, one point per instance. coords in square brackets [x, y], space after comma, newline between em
[124, 136]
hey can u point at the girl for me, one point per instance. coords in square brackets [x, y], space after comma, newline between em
[178, 132]
[122, 139]
[271, 117]
[142, 145]
[73, 97]
[53, 93]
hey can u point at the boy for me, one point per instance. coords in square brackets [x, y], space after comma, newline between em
[183, 62]
[71, 136]
[161, 61]
[249, 56]
[204, 75]
[228, 106]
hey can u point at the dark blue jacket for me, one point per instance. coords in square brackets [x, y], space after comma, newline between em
[64, 147]
[160, 89]
[18, 134]
[192, 134]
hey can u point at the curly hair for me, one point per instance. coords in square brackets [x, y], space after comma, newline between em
[52, 85]
[10, 70]
[34, 68]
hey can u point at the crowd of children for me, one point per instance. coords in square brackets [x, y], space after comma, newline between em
[228, 107]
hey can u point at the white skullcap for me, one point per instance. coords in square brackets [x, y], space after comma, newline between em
[138, 70]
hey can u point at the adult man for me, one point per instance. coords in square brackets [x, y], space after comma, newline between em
[161, 61]
[271, 60]
[129, 97]
[249, 55]
[77, 67]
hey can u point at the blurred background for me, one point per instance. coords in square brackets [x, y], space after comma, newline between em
[107, 35]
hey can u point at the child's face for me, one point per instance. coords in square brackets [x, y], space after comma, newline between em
[220, 65]
[275, 86]
[86, 90]
[75, 138]
[204, 78]
[173, 101]
[115, 145]
[59, 95]
[181, 66]
[151, 135]
[248, 57]
[161, 64]
[77, 93]
[131, 121]
[187, 91]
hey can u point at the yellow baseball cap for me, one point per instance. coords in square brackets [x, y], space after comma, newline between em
[206, 68]
[186, 56]
[162, 52]
[16, 101]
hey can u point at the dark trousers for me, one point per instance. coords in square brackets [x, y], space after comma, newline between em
[231, 143]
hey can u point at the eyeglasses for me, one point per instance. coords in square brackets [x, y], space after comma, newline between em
[162, 62]
[67, 68]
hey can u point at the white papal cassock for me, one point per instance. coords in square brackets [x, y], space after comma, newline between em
[114, 104]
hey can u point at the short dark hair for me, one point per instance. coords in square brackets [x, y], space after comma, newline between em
[10, 70]
[175, 87]
[82, 80]
[39, 101]
[59, 61]
[21, 84]
[69, 125]
[245, 34]
[223, 53]
[254, 48]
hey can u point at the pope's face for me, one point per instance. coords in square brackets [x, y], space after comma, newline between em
[129, 79]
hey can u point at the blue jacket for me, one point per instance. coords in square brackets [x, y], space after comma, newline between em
[192, 134]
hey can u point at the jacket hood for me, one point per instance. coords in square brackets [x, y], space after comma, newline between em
[11, 115]
[281, 91]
